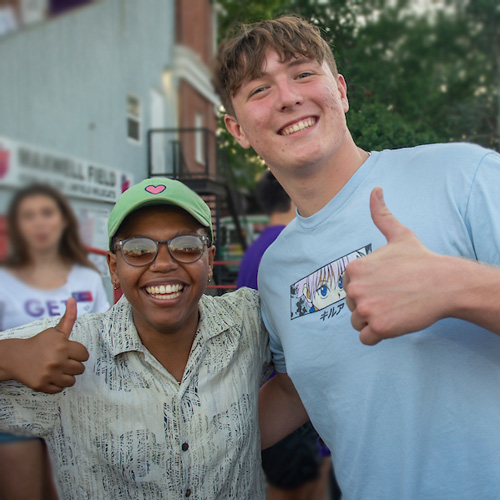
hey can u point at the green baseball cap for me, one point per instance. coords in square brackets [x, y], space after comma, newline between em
[159, 191]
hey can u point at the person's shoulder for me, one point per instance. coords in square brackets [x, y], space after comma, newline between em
[82, 275]
[237, 303]
[235, 320]
[443, 160]
[455, 148]
[29, 330]
[262, 242]
[12, 287]
[5, 273]
[449, 151]
[242, 295]
[276, 248]
[4, 276]
[79, 270]
[236, 314]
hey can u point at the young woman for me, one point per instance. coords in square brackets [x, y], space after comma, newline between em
[47, 264]
[167, 405]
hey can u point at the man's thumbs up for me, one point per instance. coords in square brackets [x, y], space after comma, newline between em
[382, 217]
[67, 321]
[389, 291]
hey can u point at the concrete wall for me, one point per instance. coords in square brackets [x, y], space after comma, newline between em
[64, 82]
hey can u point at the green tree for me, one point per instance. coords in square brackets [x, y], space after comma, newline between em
[432, 74]
[413, 77]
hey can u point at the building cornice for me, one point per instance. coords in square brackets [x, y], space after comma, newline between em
[188, 66]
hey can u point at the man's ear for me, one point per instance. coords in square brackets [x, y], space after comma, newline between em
[236, 131]
[342, 88]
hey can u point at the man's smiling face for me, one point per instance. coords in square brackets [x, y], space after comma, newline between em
[293, 114]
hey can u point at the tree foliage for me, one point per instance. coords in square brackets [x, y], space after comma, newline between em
[413, 76]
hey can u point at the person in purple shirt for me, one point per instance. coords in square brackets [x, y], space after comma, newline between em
[280, 209]
[294, 467]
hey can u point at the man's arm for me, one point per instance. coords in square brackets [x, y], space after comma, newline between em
[47, 362]
[280, 410]
[403, 287]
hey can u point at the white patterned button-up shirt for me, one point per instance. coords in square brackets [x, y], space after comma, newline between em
[128, 430]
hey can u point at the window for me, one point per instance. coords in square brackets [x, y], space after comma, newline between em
[60, 6]
[198, 145]
[133, 118]
[8, 20]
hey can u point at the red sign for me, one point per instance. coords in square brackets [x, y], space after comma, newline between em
[4, 162]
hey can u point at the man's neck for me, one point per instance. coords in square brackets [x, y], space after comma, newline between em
[313, 191]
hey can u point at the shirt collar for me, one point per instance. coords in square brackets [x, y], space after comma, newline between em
[123, 336]
[119, 325]
[214, 318]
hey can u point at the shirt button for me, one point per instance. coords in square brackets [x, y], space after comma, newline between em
[188, 493]
[185, 447]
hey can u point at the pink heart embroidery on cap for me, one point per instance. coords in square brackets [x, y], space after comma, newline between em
[156, 189]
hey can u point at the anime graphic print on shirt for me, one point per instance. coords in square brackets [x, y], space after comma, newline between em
[323, 288]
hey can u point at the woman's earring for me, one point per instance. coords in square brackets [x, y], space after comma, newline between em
[115, 285]
[209, 276]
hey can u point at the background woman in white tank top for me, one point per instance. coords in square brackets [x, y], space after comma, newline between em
[47, 264]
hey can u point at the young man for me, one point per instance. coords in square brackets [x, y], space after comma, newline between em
[415, 416]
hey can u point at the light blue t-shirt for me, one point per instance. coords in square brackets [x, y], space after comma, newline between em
[416, 417]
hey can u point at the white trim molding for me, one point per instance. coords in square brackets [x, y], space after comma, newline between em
[188, 66]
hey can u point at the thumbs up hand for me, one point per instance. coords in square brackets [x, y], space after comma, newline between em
[68, 319]
[49, 361]
[393, 291]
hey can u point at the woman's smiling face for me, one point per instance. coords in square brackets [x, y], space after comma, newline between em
[164, 294]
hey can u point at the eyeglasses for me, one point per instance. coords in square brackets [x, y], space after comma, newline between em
[186, 248]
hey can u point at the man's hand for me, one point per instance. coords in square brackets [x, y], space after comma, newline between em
[394, 290]
[49, 361]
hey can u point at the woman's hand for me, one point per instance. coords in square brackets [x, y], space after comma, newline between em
[47, 362]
